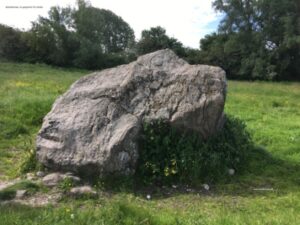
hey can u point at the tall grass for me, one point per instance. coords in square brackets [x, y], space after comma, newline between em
[26, 95]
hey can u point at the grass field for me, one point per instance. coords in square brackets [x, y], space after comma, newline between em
[270, 110]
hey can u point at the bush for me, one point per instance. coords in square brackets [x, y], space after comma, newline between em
[168, 155]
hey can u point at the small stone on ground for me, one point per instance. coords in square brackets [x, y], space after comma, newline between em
[83, 190]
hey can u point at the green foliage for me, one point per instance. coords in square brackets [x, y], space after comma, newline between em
[29, 161]
[168, 155]
[192, 56]
[50, 40]
[86, 37]
[10, 192]
[66, 184]
[12, 44]
[257, 40]
[104, 38]
[156, 39]
[104, 28]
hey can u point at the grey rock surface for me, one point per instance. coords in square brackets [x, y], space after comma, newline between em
[94, 126]
[40, 174]
[53, 179]
[6, 184]
[30, 176]
[21, 194]
[82, 190]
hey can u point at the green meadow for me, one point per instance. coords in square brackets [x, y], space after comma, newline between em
[267, 192]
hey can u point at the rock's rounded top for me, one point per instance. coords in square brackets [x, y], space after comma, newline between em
[94, 126]
[164, 59]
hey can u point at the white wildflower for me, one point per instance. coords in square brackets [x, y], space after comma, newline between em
[206, 187]
[231, 172]
[148, 197]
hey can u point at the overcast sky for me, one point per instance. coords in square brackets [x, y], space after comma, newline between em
[187, 20]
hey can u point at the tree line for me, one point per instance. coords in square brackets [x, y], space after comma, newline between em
[256, 40]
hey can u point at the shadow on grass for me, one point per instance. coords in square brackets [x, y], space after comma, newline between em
[263, 175]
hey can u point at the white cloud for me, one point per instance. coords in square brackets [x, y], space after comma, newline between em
[185, 20]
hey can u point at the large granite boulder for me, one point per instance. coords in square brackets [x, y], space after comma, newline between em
[94, 126]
